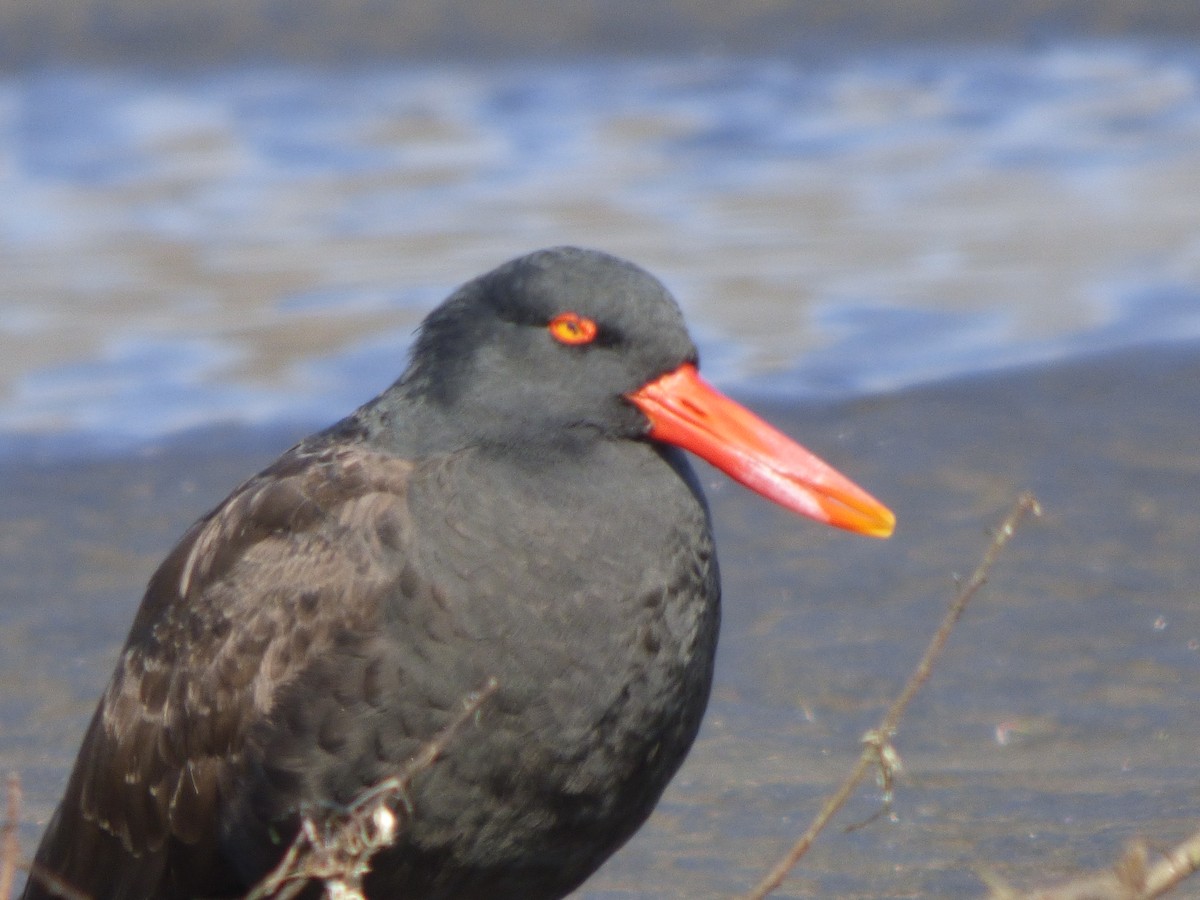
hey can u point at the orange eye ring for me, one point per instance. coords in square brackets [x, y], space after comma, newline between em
[573, 329]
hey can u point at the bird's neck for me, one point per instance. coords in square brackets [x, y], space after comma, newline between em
[401, 424]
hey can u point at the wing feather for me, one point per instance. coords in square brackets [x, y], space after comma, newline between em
[252, 594]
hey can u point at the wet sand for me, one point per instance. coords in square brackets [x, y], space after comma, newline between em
[1061, 723]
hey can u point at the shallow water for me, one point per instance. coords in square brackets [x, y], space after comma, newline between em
[955, 274]
[256, 245]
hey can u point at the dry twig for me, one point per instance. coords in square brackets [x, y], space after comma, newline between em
[1133, 877]
[337, 847]
[10, 849]
[878, 750]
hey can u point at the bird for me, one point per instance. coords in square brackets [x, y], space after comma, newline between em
[515, 515]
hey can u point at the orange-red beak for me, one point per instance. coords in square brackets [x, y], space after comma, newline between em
[685, 410]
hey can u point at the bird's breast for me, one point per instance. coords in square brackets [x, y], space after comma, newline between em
[573, 582]
[589, 593]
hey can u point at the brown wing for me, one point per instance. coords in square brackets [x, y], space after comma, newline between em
[251, 593]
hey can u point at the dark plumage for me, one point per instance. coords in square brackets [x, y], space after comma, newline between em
[506, 509]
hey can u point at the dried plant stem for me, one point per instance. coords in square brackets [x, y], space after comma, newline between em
[10, 849]
[878, 750]
[1181, 862]
[11, 860]
[337, 847]
[1133, 877]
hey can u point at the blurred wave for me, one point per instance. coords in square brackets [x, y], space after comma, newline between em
[256, 244]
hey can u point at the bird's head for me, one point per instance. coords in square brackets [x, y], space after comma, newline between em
[567, 341]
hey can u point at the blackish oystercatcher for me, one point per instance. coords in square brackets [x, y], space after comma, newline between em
[515, 507]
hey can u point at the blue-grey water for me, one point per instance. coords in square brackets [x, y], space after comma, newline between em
[956, 272]
[256, 245]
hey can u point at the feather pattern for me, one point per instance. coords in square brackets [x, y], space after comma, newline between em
[266, 581]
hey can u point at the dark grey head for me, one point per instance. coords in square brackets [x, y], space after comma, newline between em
[489, 358]
[566, 347]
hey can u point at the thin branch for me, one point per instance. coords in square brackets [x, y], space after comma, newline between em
[10, 848]
[337, 847]
[1133, 877]
[11, 860]
[1180, 863]
[878, 750]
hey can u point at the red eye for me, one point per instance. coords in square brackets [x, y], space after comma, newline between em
[572, 328]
